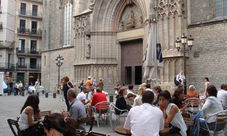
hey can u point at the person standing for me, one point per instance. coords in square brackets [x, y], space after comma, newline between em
[37, 85]
[21, 88]
[207, 83]
[146, 116]
[81, 85]
[180, 77]
[66, 86]
[100, 84]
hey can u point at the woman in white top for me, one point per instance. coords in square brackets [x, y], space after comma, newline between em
[171, 114]
[29, 112]
[211, 106]
[137, 100]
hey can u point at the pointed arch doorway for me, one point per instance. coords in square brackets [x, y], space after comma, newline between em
[131, 61]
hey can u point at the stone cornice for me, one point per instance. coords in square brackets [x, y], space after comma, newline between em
[103, 33]
[50, 50]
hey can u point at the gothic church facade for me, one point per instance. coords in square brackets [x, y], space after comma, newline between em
[108, 39]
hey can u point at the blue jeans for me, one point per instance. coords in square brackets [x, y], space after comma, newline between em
[203, 125]
[12, 90]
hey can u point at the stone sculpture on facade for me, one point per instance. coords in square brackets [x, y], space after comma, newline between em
[130, 22]
[88, 47]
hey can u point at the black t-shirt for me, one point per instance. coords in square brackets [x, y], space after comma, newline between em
[66, 88]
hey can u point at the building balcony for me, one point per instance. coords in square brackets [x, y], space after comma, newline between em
[29, 32]
[7, 66]
[30, 14]
[28, 52]
[7, 45]
[29, 66]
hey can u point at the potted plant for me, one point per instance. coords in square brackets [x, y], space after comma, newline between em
[40, 31]
[1, 26]
[28, 31]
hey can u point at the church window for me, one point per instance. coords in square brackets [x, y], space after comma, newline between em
[220, 8]
[67, 24]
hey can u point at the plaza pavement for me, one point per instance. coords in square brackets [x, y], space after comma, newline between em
[10, 108]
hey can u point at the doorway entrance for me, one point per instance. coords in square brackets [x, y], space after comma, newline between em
[131, 62]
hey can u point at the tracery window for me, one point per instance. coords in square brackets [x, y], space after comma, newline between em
[220, 8]
[67, 24]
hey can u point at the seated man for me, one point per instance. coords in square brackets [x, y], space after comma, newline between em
[98, 97]
[77, 109]
[145, 119]
[82, 97]
[222, 95]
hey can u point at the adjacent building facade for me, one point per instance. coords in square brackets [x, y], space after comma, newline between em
[7, 30]
[108, 39]
[28, 39]
[21, 39]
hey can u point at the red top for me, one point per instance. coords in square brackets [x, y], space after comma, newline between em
[98, 97]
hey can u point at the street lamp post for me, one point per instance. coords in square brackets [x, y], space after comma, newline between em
[184, 42]
[59, 62]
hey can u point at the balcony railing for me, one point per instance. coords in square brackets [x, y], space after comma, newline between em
[28, 66]
[7, 44]
[27, 51]
[30, 13]
[31, 32]
[7, 66]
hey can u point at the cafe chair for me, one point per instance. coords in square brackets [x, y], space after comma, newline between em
[45, 113]
[87, 120]
[189, 122]
[120, 118]
[219, 124]
[104, 109]
[13, 124]
[80, 132]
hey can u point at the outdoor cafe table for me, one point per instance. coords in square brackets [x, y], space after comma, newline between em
[121, 130]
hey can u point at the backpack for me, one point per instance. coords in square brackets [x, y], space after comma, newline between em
[175, 81]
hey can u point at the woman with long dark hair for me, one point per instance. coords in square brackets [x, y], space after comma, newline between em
[178, 97]
[57, 125]
[120, 102]
[30, 116]
[172, 115]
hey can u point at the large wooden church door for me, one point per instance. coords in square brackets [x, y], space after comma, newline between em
[131, 62]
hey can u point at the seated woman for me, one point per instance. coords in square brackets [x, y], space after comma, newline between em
[171, 115]
[137, 100]
[130, 99]
[157, 90]
[28, 113]
[212, 105]
[192, 93]
[178, 97]
[120, 102]
[57, 125]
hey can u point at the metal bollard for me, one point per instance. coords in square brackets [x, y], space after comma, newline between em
[22, 94]
[37, 93]
[43, 92]
[46, 95]
[54, 95]
[111, 98]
